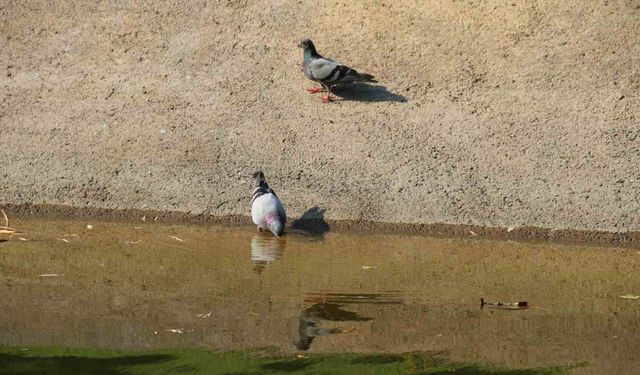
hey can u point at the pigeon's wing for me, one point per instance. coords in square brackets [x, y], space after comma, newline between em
[322, 69]
[326, 70]
[279, 206]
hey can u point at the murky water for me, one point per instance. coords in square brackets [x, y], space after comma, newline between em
[150, 285]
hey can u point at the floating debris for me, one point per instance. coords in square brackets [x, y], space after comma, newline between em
[300, 356]
[137, 228]
[207, 315]
[23, 239]
[9, 231]
[64, 240]
[176, 330]
[133, 242]
[504, 305]
[155, 218]
[473, 233]
[89, 226]
[630, 296]
[368, 267]
[510, 229]
[177, 238]
[6, 229]
[51, 275]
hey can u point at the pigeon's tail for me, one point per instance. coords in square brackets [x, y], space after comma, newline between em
[364, 77]
[259, 181]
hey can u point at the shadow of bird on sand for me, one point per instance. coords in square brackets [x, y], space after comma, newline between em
[364, 92]
[312, 223]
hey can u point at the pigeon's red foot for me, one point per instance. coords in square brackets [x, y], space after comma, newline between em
[315, 90]
[327, 98]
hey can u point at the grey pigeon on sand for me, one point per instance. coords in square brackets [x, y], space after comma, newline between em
[327, 72]
[267, 211]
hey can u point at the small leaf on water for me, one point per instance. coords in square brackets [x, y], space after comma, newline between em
[629, 296]
[176, 330]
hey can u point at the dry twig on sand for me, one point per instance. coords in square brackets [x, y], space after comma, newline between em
[6, 230]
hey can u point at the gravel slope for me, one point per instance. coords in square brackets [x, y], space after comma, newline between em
[488, 112]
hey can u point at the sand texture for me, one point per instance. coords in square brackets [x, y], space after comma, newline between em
[489, 113]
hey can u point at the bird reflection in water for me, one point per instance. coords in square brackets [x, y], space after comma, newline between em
[265, 250]
[311, 318]
[329, 307]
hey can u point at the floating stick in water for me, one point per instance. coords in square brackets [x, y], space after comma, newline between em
[6, 229]
[505, 305]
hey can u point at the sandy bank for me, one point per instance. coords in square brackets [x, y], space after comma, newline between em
[489, 114]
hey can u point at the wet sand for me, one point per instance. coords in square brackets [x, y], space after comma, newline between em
[314, 220]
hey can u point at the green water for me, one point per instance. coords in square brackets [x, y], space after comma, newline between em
[146, 297]
[197, 361]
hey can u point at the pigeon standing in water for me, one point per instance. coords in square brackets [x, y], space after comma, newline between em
[267, 211]
[327, 72]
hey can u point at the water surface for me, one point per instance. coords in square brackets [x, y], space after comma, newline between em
[147, 285]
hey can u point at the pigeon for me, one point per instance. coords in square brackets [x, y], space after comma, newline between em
[267, 211]
[327, 72]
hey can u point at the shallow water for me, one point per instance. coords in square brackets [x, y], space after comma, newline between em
[128, 285]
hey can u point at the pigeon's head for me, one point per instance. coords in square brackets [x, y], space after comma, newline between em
[275, 225]
[306, 44]
[277, 228]
[258, 179]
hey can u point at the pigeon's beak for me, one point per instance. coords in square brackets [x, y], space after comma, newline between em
[300, 45]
